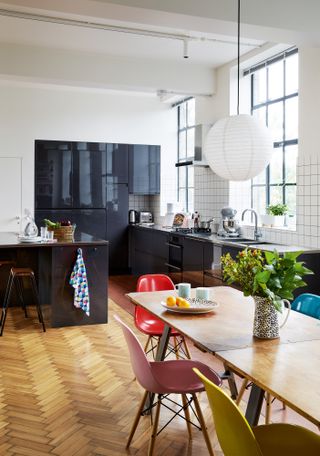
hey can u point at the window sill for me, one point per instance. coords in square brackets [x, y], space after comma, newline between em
[273, 229]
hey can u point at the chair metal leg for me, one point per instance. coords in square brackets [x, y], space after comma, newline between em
[137, 419]
[242, 390]
[155, 427]
[19, 289]
[37, 301]
[6, 301]
[203, 425]
[186, 413]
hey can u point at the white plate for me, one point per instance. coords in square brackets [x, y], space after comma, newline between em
[194, 309]
[30, 239]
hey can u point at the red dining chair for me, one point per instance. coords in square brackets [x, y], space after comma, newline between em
[163, 378]
[151, 325]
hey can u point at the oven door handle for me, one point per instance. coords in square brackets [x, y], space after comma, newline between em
[172, 266]
[176, 246]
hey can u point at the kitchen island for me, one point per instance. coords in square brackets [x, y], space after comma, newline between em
[53, 264]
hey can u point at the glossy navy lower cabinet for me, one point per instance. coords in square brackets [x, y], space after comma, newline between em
[144, 169]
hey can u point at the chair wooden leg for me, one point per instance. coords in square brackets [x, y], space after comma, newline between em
[186, 348]
[268, 407]
[242, 390]
[137, 419]
[155, 428]
[147, 344]
[203, 425]
[186, 414]
[6, 302]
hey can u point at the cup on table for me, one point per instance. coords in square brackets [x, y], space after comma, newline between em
[43, 232]
[184, 290]
[203, 293]
[50, 235]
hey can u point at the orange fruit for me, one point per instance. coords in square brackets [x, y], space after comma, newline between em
[171, 301]
[181, 302]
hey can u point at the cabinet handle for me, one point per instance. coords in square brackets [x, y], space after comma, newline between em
[172, 266]
[176, 246]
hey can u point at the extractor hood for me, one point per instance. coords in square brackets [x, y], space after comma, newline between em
[198, 159]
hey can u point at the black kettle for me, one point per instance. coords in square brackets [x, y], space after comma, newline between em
[133, 217]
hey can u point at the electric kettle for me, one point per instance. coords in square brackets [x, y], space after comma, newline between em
[133, 217]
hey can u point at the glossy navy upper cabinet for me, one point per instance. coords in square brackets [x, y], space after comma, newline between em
[144, 169]
[117, 163]
[53, 174]
[89, 175]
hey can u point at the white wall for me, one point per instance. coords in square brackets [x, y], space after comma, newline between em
[29, 112]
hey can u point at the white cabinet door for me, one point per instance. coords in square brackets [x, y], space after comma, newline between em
[10, 193]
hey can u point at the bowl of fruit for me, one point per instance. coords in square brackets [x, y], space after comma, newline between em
[62, 231]
[188, 306]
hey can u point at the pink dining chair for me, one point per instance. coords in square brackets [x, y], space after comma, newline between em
[163, 378]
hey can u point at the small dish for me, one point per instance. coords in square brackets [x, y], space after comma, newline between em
[30, 239]
[197, 307]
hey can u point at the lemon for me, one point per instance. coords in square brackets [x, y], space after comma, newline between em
[171, 301]
[181, 302]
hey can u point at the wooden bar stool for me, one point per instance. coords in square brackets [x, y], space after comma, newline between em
[15, 279]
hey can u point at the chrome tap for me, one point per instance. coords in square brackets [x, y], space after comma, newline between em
[257, 232]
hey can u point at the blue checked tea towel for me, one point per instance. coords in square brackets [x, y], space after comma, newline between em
[79, 281]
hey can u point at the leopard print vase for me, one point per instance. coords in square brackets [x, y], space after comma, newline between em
[266, 323]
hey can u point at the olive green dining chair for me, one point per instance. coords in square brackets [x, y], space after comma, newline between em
[237, 438]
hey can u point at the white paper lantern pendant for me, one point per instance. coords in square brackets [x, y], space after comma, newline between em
[238, 147]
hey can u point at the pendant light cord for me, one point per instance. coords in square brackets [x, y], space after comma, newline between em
[238, 57]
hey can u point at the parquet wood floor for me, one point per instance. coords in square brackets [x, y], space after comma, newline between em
[70, 391]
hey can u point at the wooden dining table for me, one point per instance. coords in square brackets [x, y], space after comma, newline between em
[285, 367]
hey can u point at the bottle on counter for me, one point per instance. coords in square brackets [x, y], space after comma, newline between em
[196, 220]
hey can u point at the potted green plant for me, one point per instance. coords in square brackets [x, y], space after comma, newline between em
[275, 215]
[270, 278]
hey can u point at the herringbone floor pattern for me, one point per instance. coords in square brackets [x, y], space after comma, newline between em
[70, 391]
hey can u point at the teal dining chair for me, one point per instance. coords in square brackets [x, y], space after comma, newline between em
[308, 304]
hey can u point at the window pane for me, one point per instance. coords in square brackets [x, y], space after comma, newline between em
[260, 114]
[259, 86]
[182, 116]
[182, 176]
[291, 154]
[275, 80]
[182, 145]
[275, 121]
[190, 176]
[182, 198]
[291, 118]
[292, 74]
[276, 196]
[259, 199]
[191, 112]
[291, 191]
[190, 199]
[261, 178]
[276, 167]
[190, 142]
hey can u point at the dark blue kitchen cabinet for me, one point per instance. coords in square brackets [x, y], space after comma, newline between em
[144, 169]
[117, 226]
[117, 163]
[53, 174]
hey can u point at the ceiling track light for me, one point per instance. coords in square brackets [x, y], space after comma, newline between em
[116, 28]
[185, 48]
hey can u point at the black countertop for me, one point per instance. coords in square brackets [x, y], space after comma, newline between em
[8, 239]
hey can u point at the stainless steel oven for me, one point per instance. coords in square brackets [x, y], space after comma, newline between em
[175, 257]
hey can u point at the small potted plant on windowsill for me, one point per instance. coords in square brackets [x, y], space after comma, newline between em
[275, 215]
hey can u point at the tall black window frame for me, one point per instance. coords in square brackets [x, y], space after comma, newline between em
[185, 147]
[282, 187]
